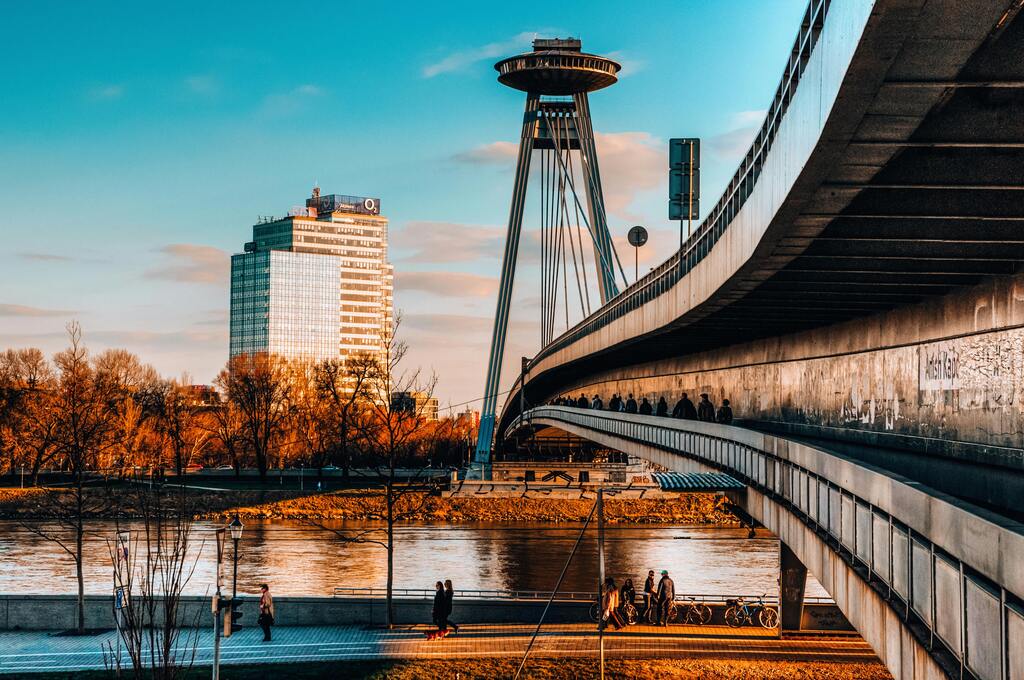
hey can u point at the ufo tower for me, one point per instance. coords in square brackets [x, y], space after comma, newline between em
[557, 78]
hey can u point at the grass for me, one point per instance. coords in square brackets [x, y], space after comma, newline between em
[536, 669]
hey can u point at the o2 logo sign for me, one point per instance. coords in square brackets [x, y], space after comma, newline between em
[370, 204]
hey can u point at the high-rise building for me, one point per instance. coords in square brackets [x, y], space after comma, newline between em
[314, 284]
[420, 404]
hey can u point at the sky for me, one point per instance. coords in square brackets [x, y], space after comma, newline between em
[137, 149]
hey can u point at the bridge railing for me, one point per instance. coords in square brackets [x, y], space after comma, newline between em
[581, 596]
[699, 244]
[953, 572]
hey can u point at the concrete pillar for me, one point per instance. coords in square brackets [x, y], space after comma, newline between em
[792, 579]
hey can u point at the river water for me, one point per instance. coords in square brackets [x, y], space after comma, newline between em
[297, 559]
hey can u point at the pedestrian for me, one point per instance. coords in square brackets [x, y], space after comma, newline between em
[628, 596]
[266, 617]
[645, 408]
[724, 415]
[597, 404]
[610, 605]
[662, 409]
[449, 595]
[684, 409]
[582, 402]
[615, 403]
[650, 598]
[705, 409]
[437, 613]
[631, 404]
[666, 593]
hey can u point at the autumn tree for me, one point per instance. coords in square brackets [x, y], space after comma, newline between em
[27, 430]
[259, 387]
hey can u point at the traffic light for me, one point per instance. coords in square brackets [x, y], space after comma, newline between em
[236, 614]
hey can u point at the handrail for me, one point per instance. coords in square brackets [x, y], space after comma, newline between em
[578, 596]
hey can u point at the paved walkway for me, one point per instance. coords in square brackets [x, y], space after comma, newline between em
[26, 652]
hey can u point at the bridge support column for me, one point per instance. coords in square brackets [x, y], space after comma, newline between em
[792, 580]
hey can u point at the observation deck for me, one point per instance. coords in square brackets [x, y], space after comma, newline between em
[557, 68]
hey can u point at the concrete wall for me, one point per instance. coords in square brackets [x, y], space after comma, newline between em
[945, 377]
[57, 612]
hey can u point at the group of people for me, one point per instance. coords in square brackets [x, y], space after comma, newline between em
[684, 408]
[657, 599]
[442, 610]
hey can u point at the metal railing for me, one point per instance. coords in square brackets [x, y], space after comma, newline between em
[543, 595]
[969, 620]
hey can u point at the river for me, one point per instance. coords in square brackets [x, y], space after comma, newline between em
[302, 560]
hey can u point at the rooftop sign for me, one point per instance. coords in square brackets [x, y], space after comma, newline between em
[350, 204]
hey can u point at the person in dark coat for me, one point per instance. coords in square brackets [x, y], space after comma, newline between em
[705, 409]
[631, 404]
[662, 409]
[724, 415]
[597, 404]
[666, 593]
[438, 612]
[685, 409]
[650, 598]
[449, 595]
[583, 402]
[614, 403]
[645, 408]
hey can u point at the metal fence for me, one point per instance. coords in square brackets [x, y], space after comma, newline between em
[962, 616]
[542, 595]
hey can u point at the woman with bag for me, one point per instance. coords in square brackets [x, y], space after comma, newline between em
[611, 603]
[266, 618]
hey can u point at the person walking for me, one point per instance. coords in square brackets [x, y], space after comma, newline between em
[610, 605]
[614, 403]
[645, 408]
[583, 402]
[597, 404]
[705, 409]
[449, 595]
[266, 617]
[650, 598]
[666, 594]
[438, 612]
[627, 594]
[724, 415]
[631, 404]
[684, 409]
[662, 409]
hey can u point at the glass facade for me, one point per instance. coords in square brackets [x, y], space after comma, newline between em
[313, 285]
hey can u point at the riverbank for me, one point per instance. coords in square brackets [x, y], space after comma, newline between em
[363, 504]
[536, 669]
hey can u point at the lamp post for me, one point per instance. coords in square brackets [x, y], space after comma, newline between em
[235, 528]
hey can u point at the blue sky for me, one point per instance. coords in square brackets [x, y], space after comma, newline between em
[138, 147]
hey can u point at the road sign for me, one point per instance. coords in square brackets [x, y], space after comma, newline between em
[684, 178]
[637, 236]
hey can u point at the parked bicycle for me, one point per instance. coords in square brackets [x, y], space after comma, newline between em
[626, 610]
[740, 613]
[694, 613]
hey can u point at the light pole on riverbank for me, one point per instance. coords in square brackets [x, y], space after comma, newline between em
[235, 527]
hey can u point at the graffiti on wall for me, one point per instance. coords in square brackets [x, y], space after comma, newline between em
[973, 372]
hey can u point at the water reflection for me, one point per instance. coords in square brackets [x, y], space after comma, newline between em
[302, 560]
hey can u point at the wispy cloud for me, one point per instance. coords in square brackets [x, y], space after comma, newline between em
[283, 104]
[25, 311]
[45, 257]
[631, 162]
[191, 263]
[732, 144]
[463, 59]
[630, 65]
[107, 92]
[441, 242]
[447, 284]
[202, 84]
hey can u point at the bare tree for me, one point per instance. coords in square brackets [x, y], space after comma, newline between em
[177, 422]
[152, 567]
[392, 433]
[260, 388]
[223, 423]
[344, 384]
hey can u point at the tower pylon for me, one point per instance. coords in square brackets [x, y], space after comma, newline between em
[556, 77]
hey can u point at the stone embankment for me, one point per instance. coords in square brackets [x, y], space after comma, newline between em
[368, 504]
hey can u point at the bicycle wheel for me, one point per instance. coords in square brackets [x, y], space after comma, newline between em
[673, 614]
[733, 617]
[629, 614]
[705, 614]
[768, 617]
[595, 612]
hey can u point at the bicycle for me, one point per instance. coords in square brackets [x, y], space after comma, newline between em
[626, 610]
[695, 613]
[739, 613]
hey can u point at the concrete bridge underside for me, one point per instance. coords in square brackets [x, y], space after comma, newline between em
[932, 583]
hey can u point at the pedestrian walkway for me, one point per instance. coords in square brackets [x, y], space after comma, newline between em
[26, 652]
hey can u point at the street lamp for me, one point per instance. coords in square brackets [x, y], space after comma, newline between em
[235, 528]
